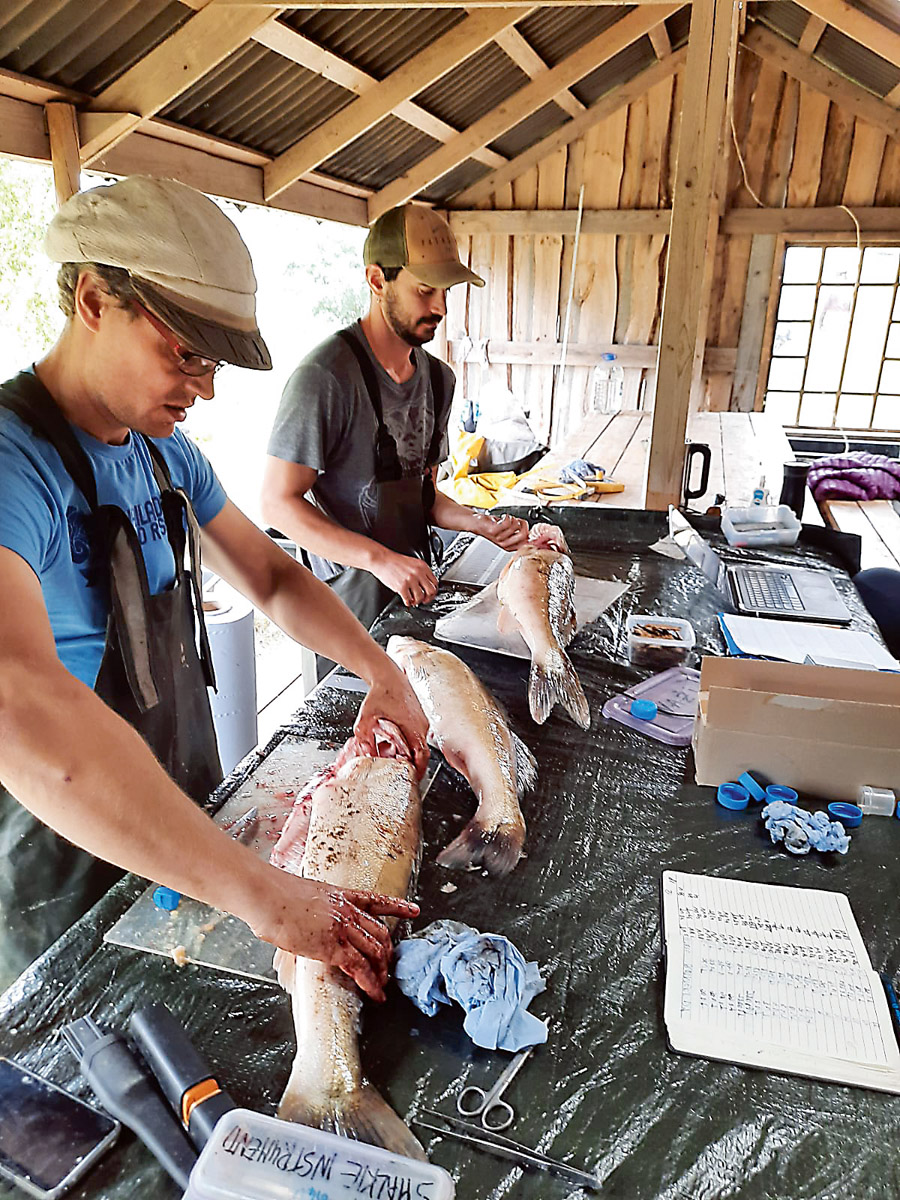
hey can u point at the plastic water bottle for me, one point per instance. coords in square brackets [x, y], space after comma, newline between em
[609, 385]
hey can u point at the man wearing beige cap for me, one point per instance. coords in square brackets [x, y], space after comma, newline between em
[362, 427]
[105, 726]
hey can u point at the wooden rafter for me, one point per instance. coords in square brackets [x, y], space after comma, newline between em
[277, 36]
[519, 106]
[694, 202]
[859, 26]
[456, 45]
[811, 34]
[659, 40]
[855, 99]
[621, 96]
[62, 129]
[528, 60]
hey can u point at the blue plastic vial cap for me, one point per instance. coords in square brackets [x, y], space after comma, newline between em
[644, 710]
[166, 898]
[849, 815]
[733, 795]
[755, 789]
[780, 791]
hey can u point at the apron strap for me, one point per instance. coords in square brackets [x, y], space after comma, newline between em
[387, 462]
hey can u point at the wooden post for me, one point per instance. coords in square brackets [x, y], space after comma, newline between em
[62, 126]
[693, 200]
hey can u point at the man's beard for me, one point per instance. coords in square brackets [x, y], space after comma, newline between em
[414, 335]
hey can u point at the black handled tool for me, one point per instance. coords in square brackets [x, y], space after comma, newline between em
[124, 1089]
[185, 1077]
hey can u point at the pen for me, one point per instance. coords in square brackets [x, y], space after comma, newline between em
[893, 1002]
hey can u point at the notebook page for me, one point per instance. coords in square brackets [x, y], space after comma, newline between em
[772, 976]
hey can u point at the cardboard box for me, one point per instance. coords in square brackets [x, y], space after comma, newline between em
[822, 730]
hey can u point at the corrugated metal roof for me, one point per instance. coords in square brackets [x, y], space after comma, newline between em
[473, 88]
[381, 154]
[620, 68]
[259, 98]
[376, 41]
[784, 17]
[457, 180]
[531, 130]
[678, 26]
[556, 33]
[855, 62]
[83, 45]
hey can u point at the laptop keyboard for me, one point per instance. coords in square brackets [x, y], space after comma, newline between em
[771, 590]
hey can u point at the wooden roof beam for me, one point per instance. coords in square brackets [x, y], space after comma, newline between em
[858, 25]
[608, 104]
[811, 35]
[418, 73]
[277, 36]
[694, 203]
[851, 96]
[520, 105]
[527, 59]
[62, 129]
[659, 39]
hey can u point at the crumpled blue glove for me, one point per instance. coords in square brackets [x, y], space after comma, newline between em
[802, 831]
[483, 972]
[579, 469]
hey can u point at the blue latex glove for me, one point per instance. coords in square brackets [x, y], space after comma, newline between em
[484, 973]
[579, 469]
[802, 831]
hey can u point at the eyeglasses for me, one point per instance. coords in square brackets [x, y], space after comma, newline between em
[189, 363]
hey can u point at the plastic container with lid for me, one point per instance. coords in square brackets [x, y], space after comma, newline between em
[760, 525]
[658, 641]
[254, 1157]
[876, 801]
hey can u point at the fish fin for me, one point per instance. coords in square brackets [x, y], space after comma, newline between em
[497, 849]
[506, 622]
[526, 766]
[362, 1115]
[554, 681]
[284, 965]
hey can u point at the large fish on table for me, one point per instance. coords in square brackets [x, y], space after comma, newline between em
[536, 592]
[468, 727]
[358, 825]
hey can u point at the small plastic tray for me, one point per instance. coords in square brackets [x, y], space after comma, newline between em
[658, 652]
[675, 694]
[254, 1157]
[760, 525]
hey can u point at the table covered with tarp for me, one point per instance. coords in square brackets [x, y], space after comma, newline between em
[612, 809]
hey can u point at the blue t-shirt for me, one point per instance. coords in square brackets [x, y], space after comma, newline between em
[42, 519]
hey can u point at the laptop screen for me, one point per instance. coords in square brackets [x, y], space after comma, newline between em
[696, 548]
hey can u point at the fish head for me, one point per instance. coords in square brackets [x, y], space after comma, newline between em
[547, 537]
[405, 650]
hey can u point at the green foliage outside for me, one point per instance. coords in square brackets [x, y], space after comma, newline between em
[336, 274]
[29, 316]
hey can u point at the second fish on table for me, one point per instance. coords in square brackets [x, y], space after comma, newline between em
[467, 725]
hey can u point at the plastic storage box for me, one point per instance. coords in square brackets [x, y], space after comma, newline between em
[658, 642]
[254, 1157]
[760, 525]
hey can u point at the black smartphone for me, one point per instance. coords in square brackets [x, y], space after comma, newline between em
[48, 1138]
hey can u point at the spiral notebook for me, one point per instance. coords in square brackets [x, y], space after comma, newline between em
[776, 978]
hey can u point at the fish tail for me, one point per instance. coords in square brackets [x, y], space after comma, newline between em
[362, 1115]
[526, 766]
[554, 681]
[496, 848]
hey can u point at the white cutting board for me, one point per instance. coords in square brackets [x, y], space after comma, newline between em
[475, 622]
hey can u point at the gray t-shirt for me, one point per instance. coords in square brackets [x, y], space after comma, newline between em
[325, 420]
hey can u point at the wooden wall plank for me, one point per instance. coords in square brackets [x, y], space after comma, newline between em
[865, 164]
[753, 321]
[547, 261]
[812, 120]
[524, 190]
[775, 186]
[888, 189]
[835, 155]
[746, 76]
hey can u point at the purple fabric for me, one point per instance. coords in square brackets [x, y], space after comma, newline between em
[855, 476]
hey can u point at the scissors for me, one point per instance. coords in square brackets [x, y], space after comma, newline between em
[488, 1102]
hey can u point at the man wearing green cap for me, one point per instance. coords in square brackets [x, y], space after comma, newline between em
[105, 728]
[362, 427]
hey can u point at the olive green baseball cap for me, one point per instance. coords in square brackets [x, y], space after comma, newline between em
[417, 238]
[187, 262]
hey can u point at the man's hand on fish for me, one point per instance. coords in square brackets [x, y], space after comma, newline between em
[507, 532]
[411, 578]
[339, 927]
[391, 698]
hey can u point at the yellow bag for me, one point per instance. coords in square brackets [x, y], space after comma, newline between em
[479, 490]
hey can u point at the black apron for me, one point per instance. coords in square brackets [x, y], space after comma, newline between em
[151, 674]
[403, 505]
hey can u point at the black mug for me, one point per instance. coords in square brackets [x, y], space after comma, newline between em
[793, 490]
[690, 449]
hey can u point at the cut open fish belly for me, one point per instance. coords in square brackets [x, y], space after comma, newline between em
[469, 728]
[361, 828]
[536, 592]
